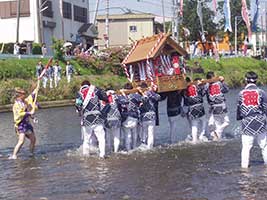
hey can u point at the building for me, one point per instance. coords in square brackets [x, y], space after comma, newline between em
[62, 19]
[124, 28]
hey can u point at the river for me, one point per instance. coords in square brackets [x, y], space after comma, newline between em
[209, 170]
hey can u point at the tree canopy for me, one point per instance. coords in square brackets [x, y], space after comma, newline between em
[191, 20]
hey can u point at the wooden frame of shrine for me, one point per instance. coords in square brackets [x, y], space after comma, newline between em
[155, 60]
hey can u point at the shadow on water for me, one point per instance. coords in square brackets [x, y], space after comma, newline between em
[182, 171]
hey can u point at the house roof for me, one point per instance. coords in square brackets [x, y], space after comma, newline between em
[126, 16]
[151, 47]
[88, 29]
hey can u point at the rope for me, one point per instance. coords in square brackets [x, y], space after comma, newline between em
[126, 58]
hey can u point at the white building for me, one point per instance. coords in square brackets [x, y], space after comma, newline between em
[62, 19]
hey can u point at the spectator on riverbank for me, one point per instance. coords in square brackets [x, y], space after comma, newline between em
[69, 71]
[44, 50]
[29, 48]
[16, 49]
[50, 73]
[57, 73]
[39, 68]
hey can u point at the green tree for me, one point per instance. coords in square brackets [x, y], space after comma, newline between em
[192, 22]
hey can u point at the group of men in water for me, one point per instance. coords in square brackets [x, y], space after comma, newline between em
[129, 118]
[134, 115]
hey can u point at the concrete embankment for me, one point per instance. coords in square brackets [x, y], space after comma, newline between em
[46, 104]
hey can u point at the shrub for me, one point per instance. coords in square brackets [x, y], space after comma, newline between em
[36, 49]
[58, 49]
[8, 48]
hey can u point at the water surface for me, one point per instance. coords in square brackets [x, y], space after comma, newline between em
[169, 172]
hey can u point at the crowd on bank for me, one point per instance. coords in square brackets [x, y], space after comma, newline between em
[53, 73]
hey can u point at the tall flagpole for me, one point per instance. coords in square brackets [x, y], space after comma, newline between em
[163, 13]
[107, 24]
[18, 19]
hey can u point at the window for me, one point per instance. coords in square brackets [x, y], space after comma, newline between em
[67, 10]
[49, 11]
[133, 29]
[8, 9]
[80, 14]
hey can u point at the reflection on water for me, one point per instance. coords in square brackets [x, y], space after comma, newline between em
[182, 171]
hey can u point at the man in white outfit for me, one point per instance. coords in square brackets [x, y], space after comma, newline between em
[194, 109]
[88, 101]
[57, 73]
[113, 121]
[129, 107]
[252, 110]
[148, 115]
[218, 119]
[69, 71]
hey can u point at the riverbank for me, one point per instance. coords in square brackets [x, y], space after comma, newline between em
[64, 91]
[45, 104]
[107, 74]
[233, 69]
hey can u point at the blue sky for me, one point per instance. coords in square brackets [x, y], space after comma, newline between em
[148, 6]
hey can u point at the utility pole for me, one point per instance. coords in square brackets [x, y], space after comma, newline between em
[96, 11]
[88, 7]
[61, 17]
[39, 21]
[163, 14]
[107, 24]
[18, 19]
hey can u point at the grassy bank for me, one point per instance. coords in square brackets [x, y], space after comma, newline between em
[25, 68]
[21, 73]
[63, 91]
[233, 69]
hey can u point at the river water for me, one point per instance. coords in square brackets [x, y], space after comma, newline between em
[183, 171]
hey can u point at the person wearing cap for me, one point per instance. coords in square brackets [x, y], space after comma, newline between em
[252, 110]
[89, 105]
[193, 109]
[218, 118]
[23, 109]
[113, 121]
[148, 114]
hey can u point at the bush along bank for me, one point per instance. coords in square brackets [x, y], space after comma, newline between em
[233, 69]
[63, 91]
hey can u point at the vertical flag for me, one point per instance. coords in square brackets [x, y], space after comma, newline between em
[255, 15]
[181, 7]
[215, 6]
[227, 15]
[244, 14]
[199, 13]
